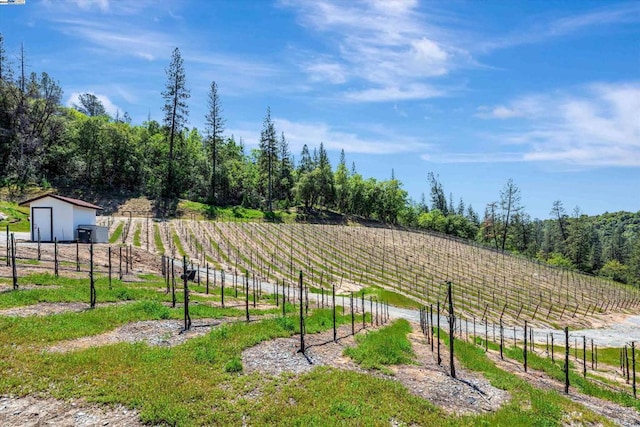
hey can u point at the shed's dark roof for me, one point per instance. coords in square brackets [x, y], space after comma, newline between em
[76, 202]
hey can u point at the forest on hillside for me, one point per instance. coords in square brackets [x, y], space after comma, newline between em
[45, 143]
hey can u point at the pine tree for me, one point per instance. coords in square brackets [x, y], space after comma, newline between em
[268, 155]
[341, 179]
[510, 204]
[5, 72]
[306, 163]
[215, 127]
[176, 113]
[285, 184]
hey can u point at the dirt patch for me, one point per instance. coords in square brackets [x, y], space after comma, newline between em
[32, 411]
[47, 308]
[166, 333]
[470, 394]
[9, 288]
[620, 415]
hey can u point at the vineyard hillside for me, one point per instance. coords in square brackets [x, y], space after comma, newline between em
[488, 285]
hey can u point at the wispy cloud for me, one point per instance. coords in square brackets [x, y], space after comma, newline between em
[313, 133]
[495, 157]
[614, 14]
[106, 7]
[89, 4]
[592, 126]
[125, 40]
[385, 45]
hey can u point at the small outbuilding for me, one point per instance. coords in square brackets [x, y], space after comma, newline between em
[65, 219]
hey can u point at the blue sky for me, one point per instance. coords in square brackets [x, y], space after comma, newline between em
[545, 93]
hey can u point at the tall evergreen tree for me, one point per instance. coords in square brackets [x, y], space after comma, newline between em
[5, 74]
[268, 155]
[176, 112]
[306, 164]
[341, 179]
[438, 199]
[285, 173]
[558, 212]
[215, 127]
[510, 204]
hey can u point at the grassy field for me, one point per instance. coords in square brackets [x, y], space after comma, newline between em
[387, 346]
[203, 380]
[187, 208]
[17, 217]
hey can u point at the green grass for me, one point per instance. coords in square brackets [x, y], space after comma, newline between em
[51, 289]
[204, 211]
[528, 405]
[116, 233]
[387, 346]
[576, 380]
[136, 236]
[205, 381]
[18, 220]
[178, 243]
[157, 238]
[203, 373]
[392, 298]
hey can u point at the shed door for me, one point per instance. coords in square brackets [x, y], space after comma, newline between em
[42, 218]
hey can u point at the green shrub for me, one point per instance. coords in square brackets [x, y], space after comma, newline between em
[234, 365]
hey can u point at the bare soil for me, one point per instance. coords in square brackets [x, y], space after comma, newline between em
[165, 333]
[33, 411]
[471, 393]
[47, 308]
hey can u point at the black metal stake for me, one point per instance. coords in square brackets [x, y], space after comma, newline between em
[301, 319]
[91, 281]
[187, 317]
[335, 331]
[55, 255]
[452, 323]
[566, 360]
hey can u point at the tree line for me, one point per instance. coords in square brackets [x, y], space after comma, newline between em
[44, 143]
[606, 244]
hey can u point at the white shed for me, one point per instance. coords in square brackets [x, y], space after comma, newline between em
[58, 217]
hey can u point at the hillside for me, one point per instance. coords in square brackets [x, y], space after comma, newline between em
[488, 284]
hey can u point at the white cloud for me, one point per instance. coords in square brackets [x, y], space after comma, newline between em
[548, 28]
[123, 40]
[409, 92]
[495, 157]
[111, 108]
[326, 71]
[88, 4]
[313, 133]
[498, 112]
[597, 125]
[388, 47]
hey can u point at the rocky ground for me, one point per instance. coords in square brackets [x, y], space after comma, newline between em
[468, 394]
[31, 411]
